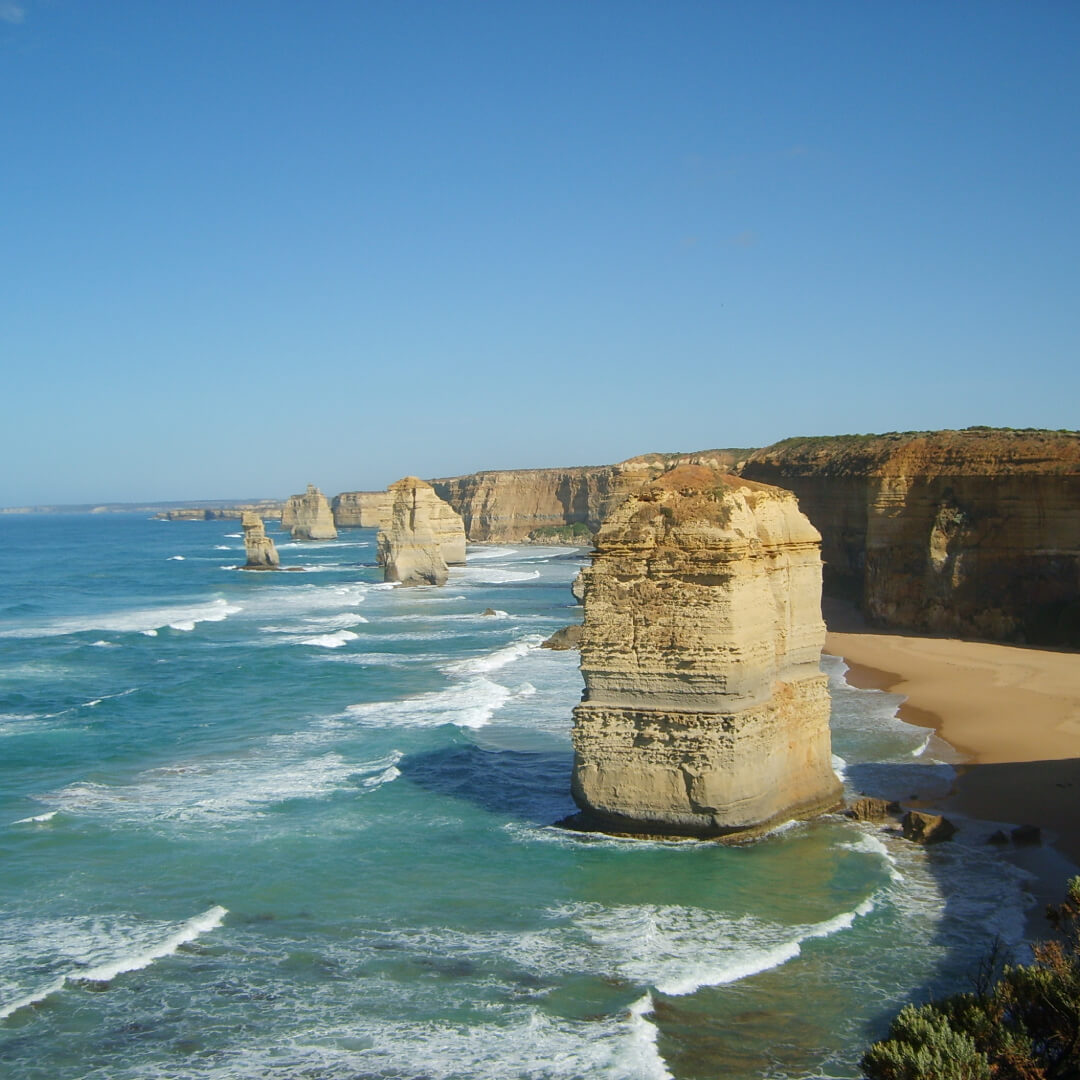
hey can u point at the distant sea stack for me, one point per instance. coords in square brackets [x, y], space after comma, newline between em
[974, 533]
[508, 506]
[423, 537]
[704, 712]
[362, 509]
[308, 516]
[261, 553]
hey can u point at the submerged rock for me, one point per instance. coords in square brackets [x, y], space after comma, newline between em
[569, 637]
[260, 550]
[705, 712]
[423, 536]
[925, 828]
[870, 809]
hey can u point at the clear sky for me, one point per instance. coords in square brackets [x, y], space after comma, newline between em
[248, 245]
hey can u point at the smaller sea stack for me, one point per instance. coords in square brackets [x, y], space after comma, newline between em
[422, 537]
[261, 553]
[308, 516]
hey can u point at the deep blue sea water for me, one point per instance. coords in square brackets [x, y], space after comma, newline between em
[300, 826]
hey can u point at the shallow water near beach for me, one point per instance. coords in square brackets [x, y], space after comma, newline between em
[300, 825]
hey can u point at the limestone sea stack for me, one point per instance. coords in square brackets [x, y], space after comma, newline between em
[704, 711]
[308, 516]
[423, 535]
[261, 553]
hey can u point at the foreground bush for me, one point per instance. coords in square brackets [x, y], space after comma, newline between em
[1023, 1025]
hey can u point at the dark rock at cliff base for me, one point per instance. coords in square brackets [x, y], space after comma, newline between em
[927, 828]
[1000, 837]
[1027, 835]
[871, 809]
[569, 637]
[489, 611]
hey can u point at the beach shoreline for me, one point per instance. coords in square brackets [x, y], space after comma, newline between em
[1012, 712]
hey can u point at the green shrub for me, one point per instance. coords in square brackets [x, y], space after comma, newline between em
[1025, 1025]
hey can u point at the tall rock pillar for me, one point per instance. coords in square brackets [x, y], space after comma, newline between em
[259, 548]
[309, 516]
[704, 711]
[422, 537]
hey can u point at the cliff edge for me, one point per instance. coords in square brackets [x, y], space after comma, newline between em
[974, 533]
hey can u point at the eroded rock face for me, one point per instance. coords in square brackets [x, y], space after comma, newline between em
[705, 712]
[308, 516]
[422, 538]
[259, 548]
[506, 506]
[974, 533]
[362, 509]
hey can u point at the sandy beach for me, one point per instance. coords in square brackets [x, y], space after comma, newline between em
[1013, 711]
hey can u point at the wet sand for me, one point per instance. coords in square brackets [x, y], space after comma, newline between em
[1013, 711]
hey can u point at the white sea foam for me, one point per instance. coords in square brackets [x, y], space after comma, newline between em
[234, 536]
[223, 547]
[331, 641]
[476, 554]
[492, 575]
[138, 953]
[175, 558]
[142, 620]
[37, 819]
[471, 703]
[103, 644]
[219, 792]
[680, 949]
[479, 665]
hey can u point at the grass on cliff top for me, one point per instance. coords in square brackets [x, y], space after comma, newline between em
[859, 441]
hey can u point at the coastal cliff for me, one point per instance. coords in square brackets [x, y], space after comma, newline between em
[704, 711]
[422, 538]
[259, 548]
[308, 516]
[362, 509]
[507, 506]
[974, 533]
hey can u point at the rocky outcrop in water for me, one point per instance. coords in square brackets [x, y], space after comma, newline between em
[508, 506]
[308, 516]
[704, 712]
[362, 509]
[974, 533]
[259, 548]
[422, 537]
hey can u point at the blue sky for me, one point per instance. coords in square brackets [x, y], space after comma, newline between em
[245, 246]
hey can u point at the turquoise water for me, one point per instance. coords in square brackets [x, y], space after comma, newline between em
[299, 825]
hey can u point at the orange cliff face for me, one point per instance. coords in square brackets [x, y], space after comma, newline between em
[505, 506]
[974, 533]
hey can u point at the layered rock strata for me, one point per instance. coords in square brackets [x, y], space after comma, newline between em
[704, 710]
[362, 509]
[422, 538]
[506, 506]
[308, 516]
[259, 548]
[974, 533]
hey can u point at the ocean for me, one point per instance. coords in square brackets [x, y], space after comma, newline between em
[259, 825]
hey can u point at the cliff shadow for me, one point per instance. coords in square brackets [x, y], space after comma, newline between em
[528, 786]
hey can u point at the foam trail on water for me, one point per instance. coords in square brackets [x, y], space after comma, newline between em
[142, 620]
[331, 641]
[37, 818]
[133, 961]
[478, 665]
[471, 703]
[175, 558]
